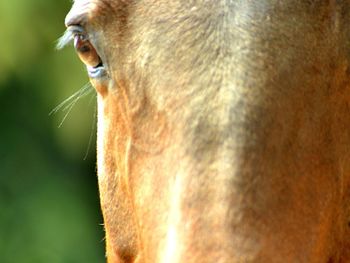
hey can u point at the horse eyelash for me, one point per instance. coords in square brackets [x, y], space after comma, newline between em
[69, 35]
[64, 40]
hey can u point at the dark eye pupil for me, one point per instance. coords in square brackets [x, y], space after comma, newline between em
[84, 48]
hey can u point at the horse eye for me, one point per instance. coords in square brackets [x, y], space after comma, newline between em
[86, 52]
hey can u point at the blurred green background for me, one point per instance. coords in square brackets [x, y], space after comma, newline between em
[49, 208]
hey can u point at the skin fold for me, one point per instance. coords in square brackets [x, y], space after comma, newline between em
[223, 129]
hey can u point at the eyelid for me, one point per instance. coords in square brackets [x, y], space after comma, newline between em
[76, 29]
[69, 35]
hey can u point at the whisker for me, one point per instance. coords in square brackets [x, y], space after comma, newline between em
[70, 102]
[93, 127]
[69, 107]
[86, 90]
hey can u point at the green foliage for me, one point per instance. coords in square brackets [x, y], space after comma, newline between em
[49, 209]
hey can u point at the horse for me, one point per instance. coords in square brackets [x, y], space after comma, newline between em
[223, 127]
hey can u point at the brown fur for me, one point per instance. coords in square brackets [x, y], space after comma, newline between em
[224, 129]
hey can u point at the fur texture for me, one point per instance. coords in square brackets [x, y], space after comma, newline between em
[223, 130]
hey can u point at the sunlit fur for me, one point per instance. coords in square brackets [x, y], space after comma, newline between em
[223, 130]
